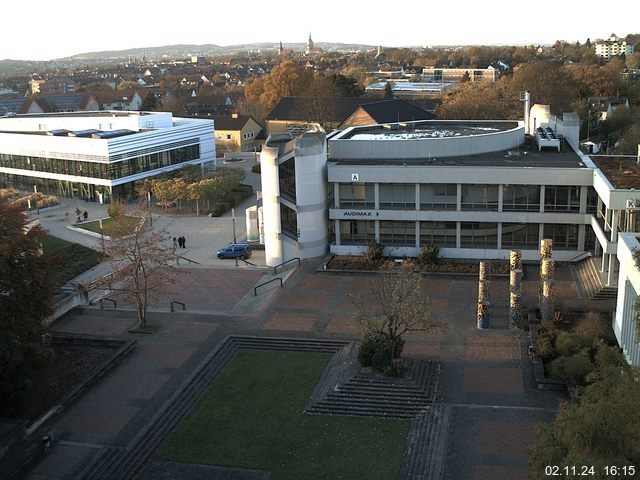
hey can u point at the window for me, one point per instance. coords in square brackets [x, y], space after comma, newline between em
[564, 237]
[521, 198]
[520, 235]
[561, 198]
[287, 172]
[442, 234]
[359, 195]
[357, 232]
[478, 235]
[480, 197]
[289, 221]
[229, 136]
[398, 233]
[592, 200]
[438, 196]
[219, 136]
[401, 196]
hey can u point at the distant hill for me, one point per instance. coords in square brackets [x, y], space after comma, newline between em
[182, 50]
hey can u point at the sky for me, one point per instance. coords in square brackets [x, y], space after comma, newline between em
[45, 30]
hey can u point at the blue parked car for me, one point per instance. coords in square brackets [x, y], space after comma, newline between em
[235, 250]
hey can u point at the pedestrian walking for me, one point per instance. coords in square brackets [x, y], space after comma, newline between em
[180, 241]
[85, 215]
[78, 218]
[66, 216]
[184, 242]
[175, 242]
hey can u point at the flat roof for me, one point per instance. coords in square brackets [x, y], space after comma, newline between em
[623, 172]
[512, 158]
[88, 113]
[427, 129]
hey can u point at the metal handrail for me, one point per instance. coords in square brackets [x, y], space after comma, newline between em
[581, 256]
[255, 289]
[102, 300]
[178, 257]
[275, 269]
[184, 307]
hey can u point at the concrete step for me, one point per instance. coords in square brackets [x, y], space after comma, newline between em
[426, 445]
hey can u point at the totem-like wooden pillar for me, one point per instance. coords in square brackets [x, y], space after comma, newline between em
[547, 303]
[515, 281]
[483, 314]
[515, 260]
[515, 310]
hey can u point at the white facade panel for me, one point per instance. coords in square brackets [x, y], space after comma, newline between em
[272, 228]
[310, 156]
[628, 288]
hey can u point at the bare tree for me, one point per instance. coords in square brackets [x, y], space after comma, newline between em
[141, 265]
[393, 305]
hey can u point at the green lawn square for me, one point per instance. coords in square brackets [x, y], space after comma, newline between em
[252, 417]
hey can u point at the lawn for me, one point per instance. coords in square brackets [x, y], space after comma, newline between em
[252, 417]
[109, 225]
[71, 259]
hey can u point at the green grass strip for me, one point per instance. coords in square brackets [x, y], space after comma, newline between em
[252, 417]
[71, 259]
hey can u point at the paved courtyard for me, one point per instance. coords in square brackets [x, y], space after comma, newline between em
[486, 376]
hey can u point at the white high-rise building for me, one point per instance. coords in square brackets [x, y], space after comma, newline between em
[613, 47]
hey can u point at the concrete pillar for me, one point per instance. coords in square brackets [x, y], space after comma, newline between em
[500, 197]
[583, 199]
[376, 196]
[611, 278]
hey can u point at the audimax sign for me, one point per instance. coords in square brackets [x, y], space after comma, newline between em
[360, 214]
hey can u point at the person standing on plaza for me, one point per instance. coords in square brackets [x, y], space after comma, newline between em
[85, 215]
[175, 243]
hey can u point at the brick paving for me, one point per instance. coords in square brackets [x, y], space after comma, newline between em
[290, 321]
[506, 380]
[486, 378]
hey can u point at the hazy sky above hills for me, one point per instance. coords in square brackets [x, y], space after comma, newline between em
[46, 30]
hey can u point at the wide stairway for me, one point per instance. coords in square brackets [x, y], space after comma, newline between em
[375, 395]
[589, 282]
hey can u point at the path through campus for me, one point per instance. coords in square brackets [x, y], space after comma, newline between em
[486, 381]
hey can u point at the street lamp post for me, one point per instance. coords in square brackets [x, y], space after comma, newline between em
[101, 235]
[233, 222]
[149, 208]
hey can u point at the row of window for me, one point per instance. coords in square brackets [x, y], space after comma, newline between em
[108, 171]
[515, 198]
[444, 234]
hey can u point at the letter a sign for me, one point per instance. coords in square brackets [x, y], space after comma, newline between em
[355, 177]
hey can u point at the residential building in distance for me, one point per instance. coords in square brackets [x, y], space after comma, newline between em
[613, 47]
[101, 154]
[452, 75]
[296, 115]
[235, 133]
[121, 100]
[412, 90]
[601, 108]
